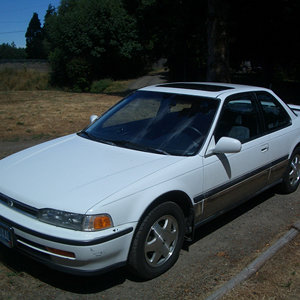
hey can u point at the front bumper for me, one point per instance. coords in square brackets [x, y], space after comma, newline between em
[67, 250]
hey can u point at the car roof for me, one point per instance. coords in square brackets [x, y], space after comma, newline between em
[204, 89]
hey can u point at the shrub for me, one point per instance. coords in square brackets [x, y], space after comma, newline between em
[78, 71]
[101, 85]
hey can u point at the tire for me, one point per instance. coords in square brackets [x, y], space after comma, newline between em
[157, 242]
[291, 178]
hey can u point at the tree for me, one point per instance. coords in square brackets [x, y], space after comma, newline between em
[217, 41]
[201, 39]
[266, 33]
[50, 14]
[92, 39]
[34, 38]
[173, 29]
[10, 51]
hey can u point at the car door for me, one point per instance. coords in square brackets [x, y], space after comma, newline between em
[276, 123]
[233, 177]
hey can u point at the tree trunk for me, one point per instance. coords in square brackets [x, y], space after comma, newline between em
[217, 42]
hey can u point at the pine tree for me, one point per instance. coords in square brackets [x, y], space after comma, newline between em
[34, 39]
[47, 41]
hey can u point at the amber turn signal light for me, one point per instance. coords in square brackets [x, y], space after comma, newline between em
[102, 222]
[61, 252]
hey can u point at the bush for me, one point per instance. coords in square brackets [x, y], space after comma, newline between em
[101, 85]
[91, 39]
[78, 71]
[56, 59]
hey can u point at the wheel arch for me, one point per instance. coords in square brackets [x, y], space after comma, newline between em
[296, 146]
[178, 197]
[293, 148]
[174, 203]
[290, 181]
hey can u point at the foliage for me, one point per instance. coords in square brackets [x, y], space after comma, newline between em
[109, 86]
[57, 59]
[101, 85]
[214, 36]
[88, 40]
[34, 38]
[97, 36]
[78, 73]
[175, 30]
[10, 51]
[218, 41]
[267, 34]
[50, 13]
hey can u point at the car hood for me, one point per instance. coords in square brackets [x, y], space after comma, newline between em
[74, 174]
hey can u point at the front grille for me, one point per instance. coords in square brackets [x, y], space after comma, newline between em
[21, 207]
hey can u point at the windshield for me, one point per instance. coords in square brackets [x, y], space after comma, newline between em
[156, 122]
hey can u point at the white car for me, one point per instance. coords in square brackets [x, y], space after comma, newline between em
[130, 187]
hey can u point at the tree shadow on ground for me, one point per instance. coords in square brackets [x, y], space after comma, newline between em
[95, 284]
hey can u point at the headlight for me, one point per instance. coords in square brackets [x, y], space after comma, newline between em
[75, 221]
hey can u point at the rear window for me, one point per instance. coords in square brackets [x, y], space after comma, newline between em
[275, 116]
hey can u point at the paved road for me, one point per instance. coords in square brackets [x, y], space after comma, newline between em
[222, 249]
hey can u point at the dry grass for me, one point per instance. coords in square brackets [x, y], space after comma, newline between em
[45, 114]
[24, 79]
[278, 279]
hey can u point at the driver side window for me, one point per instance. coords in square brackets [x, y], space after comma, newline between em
[238, 119]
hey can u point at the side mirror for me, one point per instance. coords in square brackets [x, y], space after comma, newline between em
[93, 118]
[227, 145]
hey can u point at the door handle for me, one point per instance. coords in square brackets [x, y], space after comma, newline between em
[264, 148]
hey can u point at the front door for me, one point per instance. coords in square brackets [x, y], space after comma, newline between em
[231, 178]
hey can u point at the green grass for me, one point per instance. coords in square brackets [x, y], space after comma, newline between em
[109, 86]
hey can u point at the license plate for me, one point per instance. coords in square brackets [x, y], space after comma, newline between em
[6, 235]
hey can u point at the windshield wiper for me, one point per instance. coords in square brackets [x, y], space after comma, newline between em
[158, 151]
[124, 144]
[130, 145]
[85, 134]
[91, 137]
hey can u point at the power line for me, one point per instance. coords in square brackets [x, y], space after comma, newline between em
[9, 32]
[13, 22]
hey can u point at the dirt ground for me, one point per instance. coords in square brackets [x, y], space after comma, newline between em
[278, 279]
[47, 114]
[27, 118]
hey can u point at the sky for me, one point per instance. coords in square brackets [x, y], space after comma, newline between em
[15, 16]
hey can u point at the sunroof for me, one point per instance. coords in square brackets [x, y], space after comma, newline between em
[196, 86]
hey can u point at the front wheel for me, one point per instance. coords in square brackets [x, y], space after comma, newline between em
[157, 242]
[291, 178]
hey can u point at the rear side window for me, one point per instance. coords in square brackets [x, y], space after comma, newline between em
[275, 116]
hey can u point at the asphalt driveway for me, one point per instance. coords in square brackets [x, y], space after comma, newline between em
[221, 250]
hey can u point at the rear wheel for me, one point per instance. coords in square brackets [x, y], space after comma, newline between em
[157, 243]
[291, 178]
